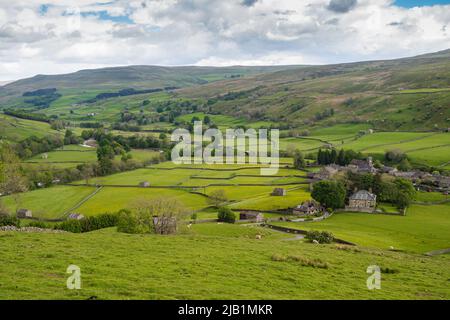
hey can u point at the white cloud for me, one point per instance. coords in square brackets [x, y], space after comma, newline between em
[46, 40]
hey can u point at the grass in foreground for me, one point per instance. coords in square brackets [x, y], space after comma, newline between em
[211, 262]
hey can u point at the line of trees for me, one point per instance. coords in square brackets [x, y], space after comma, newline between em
[343, 157]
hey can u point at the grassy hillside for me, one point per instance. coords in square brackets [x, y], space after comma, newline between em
[85, 84]
[14, 129]
[409, 94]
[406, 94]
[209, 262]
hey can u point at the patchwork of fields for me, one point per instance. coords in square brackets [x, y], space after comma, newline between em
[190, 184]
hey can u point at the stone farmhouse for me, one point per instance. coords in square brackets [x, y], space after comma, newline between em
[362, 166]
[308, 208]
[362, 201]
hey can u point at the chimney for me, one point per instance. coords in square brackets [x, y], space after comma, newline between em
[369, 160]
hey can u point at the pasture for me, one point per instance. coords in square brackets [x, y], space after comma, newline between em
[424, 228]
[209, 261]
[14, 129]
[243, 185]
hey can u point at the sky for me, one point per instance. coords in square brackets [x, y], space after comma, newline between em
[61, 36]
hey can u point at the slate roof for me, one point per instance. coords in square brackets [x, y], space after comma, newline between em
[363, 195]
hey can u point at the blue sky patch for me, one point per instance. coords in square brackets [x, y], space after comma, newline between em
[103, 15]
[420, 3]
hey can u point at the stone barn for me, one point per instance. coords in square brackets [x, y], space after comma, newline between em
[75, 216]
[278, 192]
[24, 214]
[254, 216]
[144, 184]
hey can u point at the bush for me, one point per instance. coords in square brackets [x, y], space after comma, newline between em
[89, 224]
[6, 220]
[39, 224]
[226, 215]
[320, 236]
[129, 222]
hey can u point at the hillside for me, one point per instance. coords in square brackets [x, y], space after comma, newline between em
[406, 94]
[409, 94]
[93, 81]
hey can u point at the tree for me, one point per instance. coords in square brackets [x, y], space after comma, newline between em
[226, 215]
[12, 180]
[406, 187]
[333, 156]
[105, 155]
[331, 194]
[360, 181]
[160, 216]
[404, 165]
[341, 158]
[195, 118]
[207, 120]
[299, 160]
[394, 156]
[87, 172]
[217, 197]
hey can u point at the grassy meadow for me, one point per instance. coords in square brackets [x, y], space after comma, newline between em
[209, 261]
[424, 228]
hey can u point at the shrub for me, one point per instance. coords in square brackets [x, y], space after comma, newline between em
[160, 216]
[226, 215]
[39, 224]
[3, 210]
[129, 222]
[88, 224]
[320, 236]
[6, 220]
[278, 257]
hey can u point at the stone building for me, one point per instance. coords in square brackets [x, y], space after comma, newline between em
[308, 208]
[254, 216]
[278, 192]
[363, 201]
[24, 213]
[75, 216]
[144, 184]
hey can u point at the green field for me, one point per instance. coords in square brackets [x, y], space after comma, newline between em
[243, 184]
[14, 129]
[114, 199]
[210, 261]
[50, 202]
[73, 155]
[424, 228]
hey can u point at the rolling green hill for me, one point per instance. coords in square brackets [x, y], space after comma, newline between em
[409, 94]
[86, 84]
[404, 94]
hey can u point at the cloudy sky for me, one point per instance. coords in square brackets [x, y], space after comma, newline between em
[60, 36]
